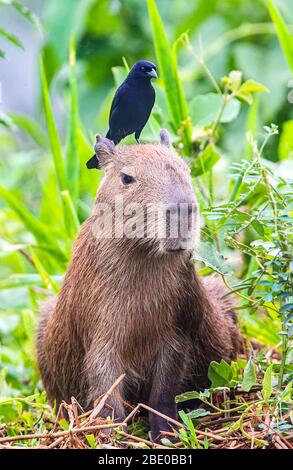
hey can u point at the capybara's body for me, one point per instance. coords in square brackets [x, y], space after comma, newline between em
[134, 306]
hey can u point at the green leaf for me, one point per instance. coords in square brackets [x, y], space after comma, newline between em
[24, 11]
[119, 74]
[25, 280]
[287, 393]
[284, 35]
[267, 387]
[258, 227]
[71, 157]
[7, 122]
[286, 308]
[220, 374]
[205, 161]
[248, 88]
[207, 254]
[11, 38]
[198, 413]
[33, 225]
[249, 376]
[187, 396]
[47, 279]
[204, 109]
[53, 133]
[91, 440]
[166, 57]
[31, 127]
[71, 217]
[63, 424]
[286, 140]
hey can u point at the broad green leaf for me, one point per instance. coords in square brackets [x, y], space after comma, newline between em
[286, 140]
[198, 413]
[267, 387]
[207, 254]
[72, 162]
[187, 396]
[258, 227]
[204, 109]
[205, 161]
[31, 127]
[284, 35]
[249, 376]
[11, 38]
[220, 374]
[248, 88]
[52, 131]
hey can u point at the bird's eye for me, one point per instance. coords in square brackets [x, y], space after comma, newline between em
[127, 179]
[142, 69]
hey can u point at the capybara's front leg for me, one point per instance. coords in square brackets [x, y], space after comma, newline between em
[166, 385]
[100, 380]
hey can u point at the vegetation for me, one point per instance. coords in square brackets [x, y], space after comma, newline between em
[223, 94]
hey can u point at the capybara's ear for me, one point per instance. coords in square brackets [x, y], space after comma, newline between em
[165, 138]
[104, 152]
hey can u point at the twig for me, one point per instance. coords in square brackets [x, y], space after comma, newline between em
[101, 405]
[23, 437]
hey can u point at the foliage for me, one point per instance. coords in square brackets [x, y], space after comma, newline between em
[218, 103]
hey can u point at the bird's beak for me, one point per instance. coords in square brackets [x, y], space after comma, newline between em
[152, 74]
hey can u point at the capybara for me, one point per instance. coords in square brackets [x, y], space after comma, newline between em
[131, 301]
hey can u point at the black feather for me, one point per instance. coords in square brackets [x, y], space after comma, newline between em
[92, 162]
[132, 103]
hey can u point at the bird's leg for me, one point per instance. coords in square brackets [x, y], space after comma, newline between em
[137, 136]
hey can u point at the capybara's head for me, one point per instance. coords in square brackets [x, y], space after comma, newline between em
[146, 198]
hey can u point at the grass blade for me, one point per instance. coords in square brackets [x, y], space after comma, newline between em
[72, 163]
[24, 11]
[47, 279]
[31, 127]
[284, 35]
[71, 217]
[53, 133]
[33, 225]
[11, 38]
[166, 58]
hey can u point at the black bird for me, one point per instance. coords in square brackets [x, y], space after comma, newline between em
[132, 104]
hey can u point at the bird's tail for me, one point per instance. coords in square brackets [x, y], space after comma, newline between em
[92, 162]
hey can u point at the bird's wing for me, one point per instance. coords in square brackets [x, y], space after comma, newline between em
[114, 103]
[117, 97]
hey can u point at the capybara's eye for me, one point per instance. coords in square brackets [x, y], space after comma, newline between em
[127, 179]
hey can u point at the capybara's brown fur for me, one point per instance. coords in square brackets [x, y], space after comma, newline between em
[135, 305]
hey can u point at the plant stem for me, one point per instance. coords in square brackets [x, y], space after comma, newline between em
[283, 359]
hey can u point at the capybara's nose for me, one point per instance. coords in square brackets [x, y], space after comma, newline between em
[181, 208]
